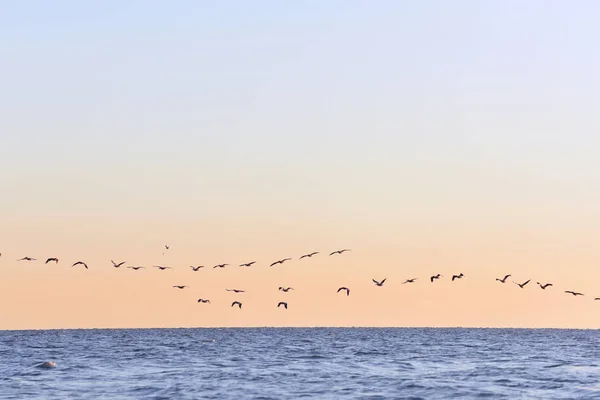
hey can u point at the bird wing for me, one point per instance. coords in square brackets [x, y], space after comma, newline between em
[525, 283]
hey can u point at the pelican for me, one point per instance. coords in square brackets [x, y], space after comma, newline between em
[280, 261]
[282, 303]
[203, 301]
[378, 283]
[180, 286]
[503, 280]
[412, 280]
[52, 259]
[286, 289]
[545, 285]
[248, 264]
[309, 255]
[237, 303]
[459, 276]
[344, 288]
[522, 285]
[80, 263]
[117, 265]
[195, 269]
[235, 290]
[573, 293]
[434, 277]
[338, 251]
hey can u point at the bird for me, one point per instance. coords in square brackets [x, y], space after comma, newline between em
[180, 286]
[237, 303]
[338, 251]
[344, 288]
[235, 290]
[117, 265]
[412, 280]
[80, 263]
[285, 289]
[309, 254]
[167, 247]
[27, 259]
[459, 276]
[503, 280]
[161, 267]
[522, 285]
[545, 285]
[195, 269]
[282, 303]
[248, 264]
[135, 268]
[573, 293]
[379, 283]
[203, 301]
[52, 259]
[434, 277]
[280, 261]
[596, 298]
[220, 266]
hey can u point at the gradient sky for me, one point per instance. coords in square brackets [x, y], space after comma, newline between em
[426, 136]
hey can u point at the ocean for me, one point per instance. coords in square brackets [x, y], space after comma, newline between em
[290, 363]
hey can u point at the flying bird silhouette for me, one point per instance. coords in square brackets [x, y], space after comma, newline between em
[248, 264]
[596, 298]
[286, 289]
[459, 276]
[309, 255]
[573, 293]
[161, 267]
[117, 265]
[80, 263]
[27, 259]
[135, 268]
[522, 285]
[378, 283]
[339, 251]
[282, 303]
[344, 288]
[220, 266]
[203, 301]
[237, 303]
[434, 277]
[52, 259]
[545, 285]
[196, 269]
[503, 280]
[235, 290]
[167, 247]
[280, 261]
[409, 281]
[180, 286]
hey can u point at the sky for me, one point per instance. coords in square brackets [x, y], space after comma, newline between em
[428, 137]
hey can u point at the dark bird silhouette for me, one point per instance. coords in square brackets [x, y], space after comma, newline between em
[248, 264]
[237, 303]
[235, 290]
[203, 301]
[573, 293]
[503, 280]
[196, 269]
[27, 259]
[167, 247]
[379, 283]
[344, 288]
[409, 281]
[282, 303]
[596, 298]
[522, 285]
[434, 277]
[135, 268]
[545, 285]
[180, 286]
[280, 261]
[339, 251]
[220, 266]
[80, 263]
[459, 276]
[117, 265]
[285, 289]
[52, 259]
[309, 255]
[161, 267]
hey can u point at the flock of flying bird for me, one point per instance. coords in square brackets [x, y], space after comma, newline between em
[287, 289]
